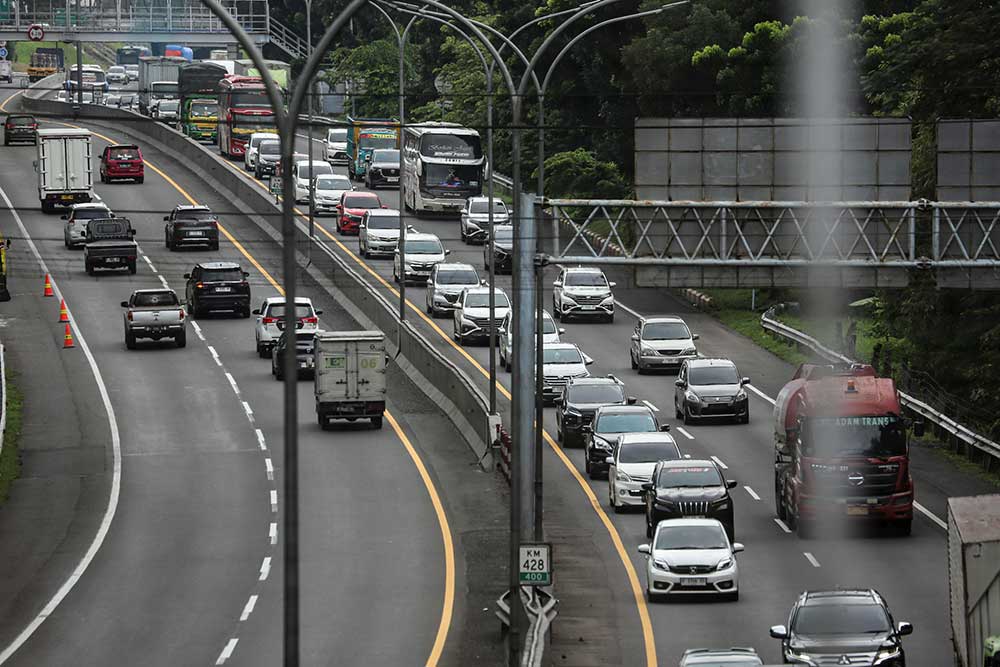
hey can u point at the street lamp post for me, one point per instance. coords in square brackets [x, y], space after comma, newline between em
[309, 136]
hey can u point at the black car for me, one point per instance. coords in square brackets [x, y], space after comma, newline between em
[688, 488]
[383, 168]
[842, 627]
[268, 154]
[218, 286]
[304, 344]
[711, 388]
[19, 127]
[503, 249]
[601, 436]
[580, 400]
[191, 225]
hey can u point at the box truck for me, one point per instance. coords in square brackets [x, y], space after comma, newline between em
[64, 169]
[162, 71]
[349, 380]
[974, 579]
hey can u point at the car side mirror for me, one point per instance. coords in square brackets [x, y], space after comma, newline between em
[558, 401]
[737, 547]
[246, 275]
[644, 549]
[124, 304]
[561, 331]
[635, 337]
[904, 628]
[187, 276]
[255, 311]
[745, 380]
[647, 486]
[731, 483]
[319, 312]
[447, 252]
[131, 232]
[680, 383]
[613, 284]
[695, 336]
[587, 428]
[631, 400]
[919, 428]
[664, 427]
[610, 460]
[166, 218]
[778, 632]
[557, 283]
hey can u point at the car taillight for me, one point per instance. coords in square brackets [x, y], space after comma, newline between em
[269, 320]
[34, 126]
[309, 320]
[199, 285]
[9, 126]
[182, 316]
[129, 316]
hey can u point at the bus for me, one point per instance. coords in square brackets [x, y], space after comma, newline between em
[244, 108]
[94, 79]
[129, 55]
[443, 165]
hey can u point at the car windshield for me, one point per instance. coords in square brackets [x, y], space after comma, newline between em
[278, 310]
[482, 300]
[503, 233]
[586, 279]
[116, 69]
[691, 537]
[167, 105]
[336, 136]
[385, 156]
[333, 183]
[636, 422]
[689, 476]
[874, 436]
[220, 275]
[606, 394]
[666, 331]
[317, 169]
[424, 247]
[702, 375]
[269, 147]
[482, 206]
[647, 452]
[840, 619]
[384, 222]
[562, 355]
[458, 277]
[91, 213]
[20, 120]
[361, 202]
[147, 299]
[548, 325]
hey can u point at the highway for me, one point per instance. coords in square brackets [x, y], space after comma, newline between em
[189, 572]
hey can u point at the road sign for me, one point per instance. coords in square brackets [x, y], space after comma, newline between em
[36, 32]
[274, 185]
[535, 564]
[3, 52]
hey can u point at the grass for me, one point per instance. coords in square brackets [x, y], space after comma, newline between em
[10, 461]
[962, 463]
[732, 308]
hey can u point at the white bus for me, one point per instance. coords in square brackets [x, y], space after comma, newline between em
[443, 165]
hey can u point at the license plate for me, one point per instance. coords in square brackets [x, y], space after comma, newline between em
[196, 233]
[66, 197]
[857, 510]
[588, 307]
[695, 581]
[223, 289]
[113, 260]
[392, 179]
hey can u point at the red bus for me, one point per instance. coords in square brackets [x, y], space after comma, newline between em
[244, 108]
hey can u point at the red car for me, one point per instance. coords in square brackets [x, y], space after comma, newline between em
[122, 161]
[352, 207]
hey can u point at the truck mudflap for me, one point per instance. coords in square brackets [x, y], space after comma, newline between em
[350, 410]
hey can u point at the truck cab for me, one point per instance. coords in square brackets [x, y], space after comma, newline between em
[110, 245]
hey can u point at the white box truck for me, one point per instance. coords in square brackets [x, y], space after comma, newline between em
[350, 376]
[163, 71]
[974, 579]
[65, 175]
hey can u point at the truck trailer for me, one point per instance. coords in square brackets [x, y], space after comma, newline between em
[162, 70]
[63, 165]
[974, 579]
[198, 88]
[349, 381]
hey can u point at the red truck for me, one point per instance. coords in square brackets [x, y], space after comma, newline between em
[122, 161]
[841, 451]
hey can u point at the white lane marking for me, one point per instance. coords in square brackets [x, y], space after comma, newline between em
[248, 608]
[247, 409]
[685, 433]
[274, 500]
[753, 494]
[628, 310]
[197, 327]
[265, 568]
[272, 533]
[650, 406]
[260, 439]
[199, 334]
[232, 383]
[318, 141]
[760, 393]
[116, 449]
[782, 525]
[148, 261]
[930, 515]
[227, 652]
[719, 462]
[215, 355]
[164, 282]
[270, 469]
[812, 559]
[97, 197]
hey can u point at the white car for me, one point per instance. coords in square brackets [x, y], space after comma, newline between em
[475, 222]
[583, 292]
[445, 285]
[250, 155]
[472, 313]
[79, 216]
[691, 556]
[661, 342]
[632, 465]
[167, 111]
[505, 341]
[116, 74]
[302, 173]
[423, 251]
[132, 72]
[560, 363]
[378, 232]
[327, 190]
[336, 146]
[271, 321]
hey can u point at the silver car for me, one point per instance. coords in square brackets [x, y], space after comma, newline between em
[472, 313]
[475, 223]
[327, 191]
[445, 285]
[691, 556]
[378, 232]
[75, 229]
[632, 463]
[661, 343]
[505, 341]
[336, 146]
[423, 251]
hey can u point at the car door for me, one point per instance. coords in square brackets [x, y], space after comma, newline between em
[680, 386]
[431, 285]
[104, 160]
[195, 277]
[636, 343]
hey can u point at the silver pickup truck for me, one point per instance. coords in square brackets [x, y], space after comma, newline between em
[156, 314]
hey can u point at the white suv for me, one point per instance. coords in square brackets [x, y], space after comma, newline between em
[472, 313]
[336, 146]
[423, 251]
[445, 286]
[661, 342]
[583, 292]
[271, 321]
[250, 155]
[505, 341]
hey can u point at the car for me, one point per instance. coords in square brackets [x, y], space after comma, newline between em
[302, 175]
[691, 556]
[689, 487]
[736, 656]
[707, 388]
[116, 74]
[503, 250]
[351, 209]
[113, 101]
[167, 111]
[378, 233]
[661, 343]
[132, 72]
[561, 362]
[122, 161]
[20, 127]
[632, 463]
[471, 315]
[475, 220]
[842, 627]
[582, 292]
[267, 158]
[127, 101]
[445, 286]
[505, 339]
[327, 192]
[305, 342]
[271, 321]
[109, 244]
[62, 96]
[383, 168]
[610, 423]
[213, 286]
[423, 251]
[75, 230]
[336, 146]
[191, 225]
[580, 400]
[156, 314]
[250, 154]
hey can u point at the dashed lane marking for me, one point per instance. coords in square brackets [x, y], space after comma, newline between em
[760, 393]
[227, 651]
[683, 432]
[248, 410]
[274, 500]
[272, 533]
[232, 383]
[260, 439]
[719, 462]
[150, 263]
[753, 494]
[782, 525]
[812, 559]
[270, 469]
[265, 568]
[248, 608]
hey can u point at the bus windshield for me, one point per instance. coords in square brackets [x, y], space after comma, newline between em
[452, 175]
[453, 146]
[874, 436]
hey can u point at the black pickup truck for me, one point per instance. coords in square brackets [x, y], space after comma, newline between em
[110, 245]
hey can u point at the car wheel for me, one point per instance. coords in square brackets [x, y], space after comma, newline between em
[555, 312]
[779, 503]
[214, 245]
[261, 351]
[65, 241]
[376, 422]
[140, 180]
[733, 597]
[130, 340]
[586, 464]
[279, 374]
[688, 419]
[611, 318]
[395, 276]
[166, 241]
[653, 597]
[132, 268]
[245, 313]
[181, 340]
[634, 365]
[902, 528]
[649, 528]
[559, 433]
[677, 412]
[89, 267]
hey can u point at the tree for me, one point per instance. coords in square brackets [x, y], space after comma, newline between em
[579, 174]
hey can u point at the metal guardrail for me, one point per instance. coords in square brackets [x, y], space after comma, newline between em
[942, 421]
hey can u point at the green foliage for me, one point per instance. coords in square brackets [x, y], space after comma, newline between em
[374, 70]
[579, 174]
[10, 461]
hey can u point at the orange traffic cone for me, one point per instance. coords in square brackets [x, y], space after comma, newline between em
[63, 314]
[68, 339]
[48, 287]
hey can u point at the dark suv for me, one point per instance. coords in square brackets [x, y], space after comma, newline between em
[383, 168]
[218, 286]
[580, 400]
[688, 488]
[191, 225]
[610, 422]
[711, 388]
[304, 344]
[842, 627]
[19, 127]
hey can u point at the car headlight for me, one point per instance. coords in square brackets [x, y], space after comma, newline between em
[721, 504]
[609, 297]
[623, 477]
[724, 564]
[466, 320]
[692, 397]
[741, 395]
[661, 565]
[887, 653]
[570, 412]
[689, 350]
[803, 658]
[647, 349]
[407, 267]
[600, 443]
[568, 297]
[439, 298]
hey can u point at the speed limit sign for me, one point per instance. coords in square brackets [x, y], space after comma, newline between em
[36, 33]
